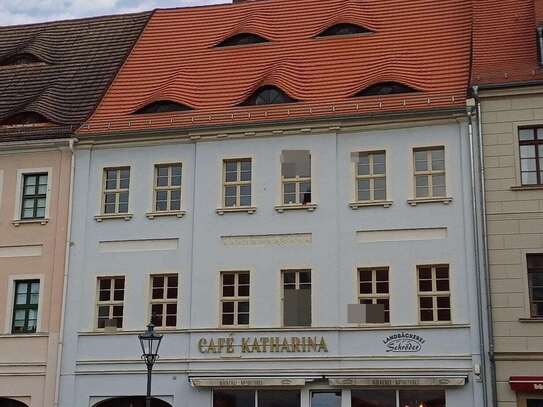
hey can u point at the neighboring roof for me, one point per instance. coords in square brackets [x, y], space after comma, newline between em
[79, 59]
[505, 41]
[421, 43]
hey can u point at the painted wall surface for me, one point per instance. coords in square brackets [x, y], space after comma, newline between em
[328, 241]
[32, 251]
[515, 228]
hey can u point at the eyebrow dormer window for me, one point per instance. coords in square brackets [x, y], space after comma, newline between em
[21, 59]
[242, 39]
[163, 106]
[25, 119]
[385, 88]
[268, 95]
[344, 29]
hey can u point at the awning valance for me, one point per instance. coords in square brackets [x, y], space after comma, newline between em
[229, 382]
[526, 383]
[397, 381]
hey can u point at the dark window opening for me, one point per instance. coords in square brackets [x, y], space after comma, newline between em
[25, 306]
[24, 119]
[344, 29]
[268, 95]
[242, 39]
[34, 200]
[21, 59]
[162, 106]
[535, 284]
[531, 156]
[136, 401]
[11, 403]
[385, 88]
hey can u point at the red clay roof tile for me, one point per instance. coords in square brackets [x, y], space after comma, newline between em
[421, 43]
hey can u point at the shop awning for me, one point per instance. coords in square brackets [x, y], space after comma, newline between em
[255, 381]
[397, 381]
[526, 383]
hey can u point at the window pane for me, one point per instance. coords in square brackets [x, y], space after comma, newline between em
[373, 398]
[326, 399]
[528, 164]
[426, 315]
[425, 285]
[527, 151]
[529, 178]
[278, 398]
[233, 398]
[228, 319]
[421, 161]
[426, 398]
[379, 185]
[162, 181]
[438, 160]
[363, 164]
[526, 134]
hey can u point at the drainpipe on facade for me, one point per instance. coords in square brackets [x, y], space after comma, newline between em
[65, 281]
[485, 271]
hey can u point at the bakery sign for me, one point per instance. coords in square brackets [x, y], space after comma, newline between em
[263, 344]
[404, 342]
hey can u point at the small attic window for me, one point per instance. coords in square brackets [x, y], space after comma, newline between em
[268, 95]
[385, 88]
[25, 119]
[242, 39]
[162, 106]
[21, 59]
[344, 29]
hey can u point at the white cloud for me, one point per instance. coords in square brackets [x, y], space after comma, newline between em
[30, 11]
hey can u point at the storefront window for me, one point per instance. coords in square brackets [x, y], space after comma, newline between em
[534, 403]
[373, 398]
[277, 398]
[326, 399]
[234, 398]
[422, 398]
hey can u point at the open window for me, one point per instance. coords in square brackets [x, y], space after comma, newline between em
[296, 177]
[163, 106]
[268, 95]
[242, 39]
[385, 88]
[24, 58]
[344, 29]
[25, 119]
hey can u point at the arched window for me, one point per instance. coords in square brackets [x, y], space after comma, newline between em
[24, 58]
[268, 95]
[344, 29]
[385, 88]
[162, 106]
[25, 118]
[242, 39]
[136, 401]
[11, 403]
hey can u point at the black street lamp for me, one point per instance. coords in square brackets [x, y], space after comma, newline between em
[150, 342]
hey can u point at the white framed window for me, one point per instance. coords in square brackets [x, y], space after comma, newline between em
[25, 306]
[164, 294]
[398, 398]
[33, 195]
[235, 295]
[256, 398]
[110, 302]
[434, 293]
[167, 187]
[374, 288]
[116, 186]
[296, 177]
[237, 183]
[429, 172]
[370, 176]
[296, 297]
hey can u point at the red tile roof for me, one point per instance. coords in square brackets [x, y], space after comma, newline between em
[422, 43]
[505, 41]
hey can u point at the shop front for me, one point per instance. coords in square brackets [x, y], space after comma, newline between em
[529, 390]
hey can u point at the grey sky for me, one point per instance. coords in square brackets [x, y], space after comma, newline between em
[31, 11]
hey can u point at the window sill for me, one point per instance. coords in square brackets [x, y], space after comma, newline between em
[18, 222]
[296, 207]
[177, 214]
[534, 319]
[247, 209]
[415, 202]
[358, 205]
[124, 216]
[527, 187]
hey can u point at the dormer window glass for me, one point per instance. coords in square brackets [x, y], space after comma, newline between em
[162, 106]
[344, 29]
[385, 88]
[25, 119]
[25, 58]
[242, 39]
[268, 95]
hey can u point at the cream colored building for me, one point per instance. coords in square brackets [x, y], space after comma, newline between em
[514, 207]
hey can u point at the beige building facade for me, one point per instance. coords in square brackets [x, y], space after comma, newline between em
[512, 128]
[34, 205]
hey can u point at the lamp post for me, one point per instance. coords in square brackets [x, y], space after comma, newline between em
[150, 342]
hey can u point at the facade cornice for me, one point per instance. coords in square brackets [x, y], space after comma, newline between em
[512, 90]
[25, 146]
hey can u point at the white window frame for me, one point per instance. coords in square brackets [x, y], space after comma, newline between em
[430, 172]
[10, 298]
[238, 183]
[116, 191]
[434, 293]
[374, 296]
[235, 299]
[169, 188]
[297, 271]
[111, 303]
[164, 301]
[19, 194]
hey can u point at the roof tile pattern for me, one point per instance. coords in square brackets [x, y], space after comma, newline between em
[505, 41]
[79, 59]
[422, 43]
